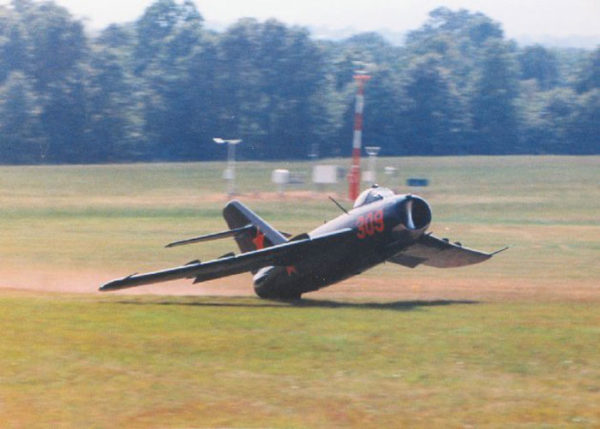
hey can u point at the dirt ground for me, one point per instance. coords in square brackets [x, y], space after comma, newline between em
[360, 287]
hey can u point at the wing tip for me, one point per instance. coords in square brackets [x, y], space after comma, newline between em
[116, 284]
[107, 287]
[499, 251]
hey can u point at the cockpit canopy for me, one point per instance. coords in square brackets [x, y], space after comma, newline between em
[375, 193]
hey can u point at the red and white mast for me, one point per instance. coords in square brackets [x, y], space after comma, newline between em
[354, 175]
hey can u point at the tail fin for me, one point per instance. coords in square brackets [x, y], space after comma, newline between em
[237, 215]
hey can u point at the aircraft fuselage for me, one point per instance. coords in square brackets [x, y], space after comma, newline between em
[379, 230]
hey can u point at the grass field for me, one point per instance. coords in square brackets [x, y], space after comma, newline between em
[511, 342]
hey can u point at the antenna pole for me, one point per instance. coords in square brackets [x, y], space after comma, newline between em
[338, 204]
[354, 175]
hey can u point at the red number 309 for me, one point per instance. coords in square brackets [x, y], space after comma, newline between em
[369, 224]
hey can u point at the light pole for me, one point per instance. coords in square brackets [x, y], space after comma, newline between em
[372, 151]
[229, 173]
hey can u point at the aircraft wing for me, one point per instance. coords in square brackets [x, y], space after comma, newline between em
[283, 254]
[440, 253]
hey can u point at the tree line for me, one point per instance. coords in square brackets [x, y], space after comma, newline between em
[161, 87]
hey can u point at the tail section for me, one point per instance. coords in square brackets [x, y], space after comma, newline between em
[262, 235]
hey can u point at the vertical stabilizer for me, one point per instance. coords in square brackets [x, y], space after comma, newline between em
[237, 215]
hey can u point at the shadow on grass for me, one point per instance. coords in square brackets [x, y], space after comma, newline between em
[301, 303]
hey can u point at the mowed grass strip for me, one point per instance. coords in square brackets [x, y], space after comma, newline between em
[81, 361]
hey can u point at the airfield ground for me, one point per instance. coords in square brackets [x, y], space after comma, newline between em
[513, 341]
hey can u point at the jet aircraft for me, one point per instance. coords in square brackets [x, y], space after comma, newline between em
[381, 227]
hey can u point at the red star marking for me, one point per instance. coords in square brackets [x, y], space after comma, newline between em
[259, 240]
[290, 269]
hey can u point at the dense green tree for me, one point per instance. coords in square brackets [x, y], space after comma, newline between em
[331, 106]
[371, 48]
[385, 121]
[493, 102]
[56, 41]
[113, 117]
[434, 110]
[538, 63]
[63, 118]
[121, 38]
[589, 75]
[291, 71]
[199, 101]
[13, 43]
[460, 38]
[49, 47]
[476, 28]
[269, 74]
[20, 136]
[163, 66]
[547, 119]
[559, 118]
[160, 24]
[586, 124]
[238, 80]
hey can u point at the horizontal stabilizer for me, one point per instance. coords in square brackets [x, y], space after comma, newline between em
[209, 237]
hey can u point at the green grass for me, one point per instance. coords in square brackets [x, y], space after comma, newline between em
[511, 342]
[242, 362]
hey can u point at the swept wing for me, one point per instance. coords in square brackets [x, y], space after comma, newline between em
[283, 254]
[440, 253]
